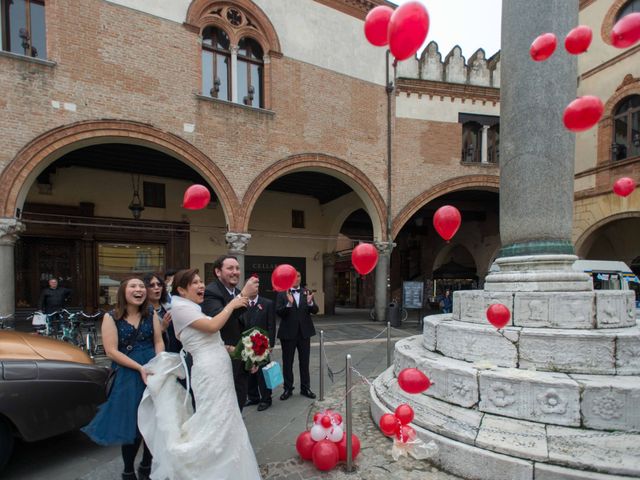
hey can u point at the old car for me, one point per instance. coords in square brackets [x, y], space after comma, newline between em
[47, 387]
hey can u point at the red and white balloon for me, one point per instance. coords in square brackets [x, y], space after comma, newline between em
[325, 444]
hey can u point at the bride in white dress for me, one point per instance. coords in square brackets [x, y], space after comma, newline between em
[212, 443]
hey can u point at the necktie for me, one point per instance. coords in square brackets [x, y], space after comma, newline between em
[252, 303]
[295, 290]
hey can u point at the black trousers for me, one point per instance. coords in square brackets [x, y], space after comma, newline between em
[258, 390]
[289, 347]
[240, 381]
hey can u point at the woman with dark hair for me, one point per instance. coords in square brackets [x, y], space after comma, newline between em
[131, 336]
[161, 302]
[212, 442]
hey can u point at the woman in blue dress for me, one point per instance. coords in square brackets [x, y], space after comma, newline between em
[132, 336]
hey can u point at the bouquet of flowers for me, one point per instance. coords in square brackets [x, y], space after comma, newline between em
[253, 348]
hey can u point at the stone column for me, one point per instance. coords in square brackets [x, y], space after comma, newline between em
[9, 230]
[237, 245]
[536, 153]
[484, 144]
[234, 73]
[382, 278]
[328, 282]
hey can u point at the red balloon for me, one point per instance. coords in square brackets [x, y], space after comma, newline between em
[196, 197]
[283, 277]
[498, 315]
[626, 31]
[406, 434]
[389, 424]
[376, 25]
[543, 47]
[404, 413]
[304, 445]
[624, 186]
[337, 418]
[317, 417]
[583, 113]
[342, 447]
[364, 258]
[408, 29]
[447, 221]
[325, 455]
[578, 40]
[326, 421]
[412, 380]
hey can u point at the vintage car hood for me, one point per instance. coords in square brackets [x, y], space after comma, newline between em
[25, 346]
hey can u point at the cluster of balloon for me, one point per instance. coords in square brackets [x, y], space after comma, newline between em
[624, 186]
[397, 424]
[412, 380]
[403, 29]
[283, 277]
[498, 315]
[364, 258]
[447, 221]
[626, 32]
[326, 443]
[196, 197]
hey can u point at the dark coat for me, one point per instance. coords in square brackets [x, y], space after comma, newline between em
[296, 320]
[53, 299]
[263, 315]
[216, 297]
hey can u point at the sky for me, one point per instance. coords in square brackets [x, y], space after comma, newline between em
[471, 24]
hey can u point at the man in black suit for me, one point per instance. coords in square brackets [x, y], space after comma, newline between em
[261, 313]
[295, 307]
[216, 296]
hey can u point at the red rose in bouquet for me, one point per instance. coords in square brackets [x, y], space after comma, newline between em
[253, 348]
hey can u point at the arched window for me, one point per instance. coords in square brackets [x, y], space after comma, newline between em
[471, 140]
[632, 6]
[626, 129]
[216, 63]
[250, 72]
[493, 148]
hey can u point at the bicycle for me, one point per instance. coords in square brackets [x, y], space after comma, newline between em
[7, 322]
[47, 324]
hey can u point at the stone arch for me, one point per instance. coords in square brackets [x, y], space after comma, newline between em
[316, 162]
[447, 249]
[468, 182]
[585, 241]
[34, 157]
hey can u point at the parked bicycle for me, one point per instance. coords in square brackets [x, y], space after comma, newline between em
[77, 328]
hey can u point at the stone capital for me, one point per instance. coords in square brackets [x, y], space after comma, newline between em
[237, 242]
[10, 228]
[384, 248]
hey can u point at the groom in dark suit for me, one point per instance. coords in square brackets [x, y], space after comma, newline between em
[261, 313]
[216, 296]
[295, 307]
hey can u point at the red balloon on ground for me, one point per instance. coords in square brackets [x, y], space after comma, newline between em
[498, 315]
[404, 413]
[196, 197]
[626, 31]
[376, 25]
[624, 186]
[408, 28]
[388, 424]
[326, 421]
[543, 47]
[578, 40]
[364, 258]
[342, 447]
[325, 455]
[412, 380]
[304, 445]
[446, 221]
[583, 113]
[406, 434]
[337, 418]
[283, 277]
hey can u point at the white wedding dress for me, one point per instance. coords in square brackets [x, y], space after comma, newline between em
[210, 444]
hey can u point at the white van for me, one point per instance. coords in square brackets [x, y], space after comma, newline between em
[611, 275]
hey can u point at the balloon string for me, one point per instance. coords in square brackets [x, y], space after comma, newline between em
[501, 332]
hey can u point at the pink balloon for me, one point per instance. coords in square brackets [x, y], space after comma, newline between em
[376, 25]
[283, 277]
[412, 380]
[626, 31]
[325, 455]
[583, 113]
[446, 221]
[543, 47]
[364, 258]
[498, 315]
[624, 186]
[578, 40]
[408, 29]
[196, 197]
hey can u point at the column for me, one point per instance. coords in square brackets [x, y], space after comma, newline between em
[237, 245]
[234, 73]
[484, 145]
[382, 278]
[328, 282]
[9, 230]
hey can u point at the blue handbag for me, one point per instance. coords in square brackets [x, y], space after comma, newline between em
[272, 375]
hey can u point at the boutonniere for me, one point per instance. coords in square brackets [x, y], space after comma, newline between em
[259, 306]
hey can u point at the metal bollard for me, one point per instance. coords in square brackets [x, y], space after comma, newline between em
[348, 407]
[322, 363]
[388, 344]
